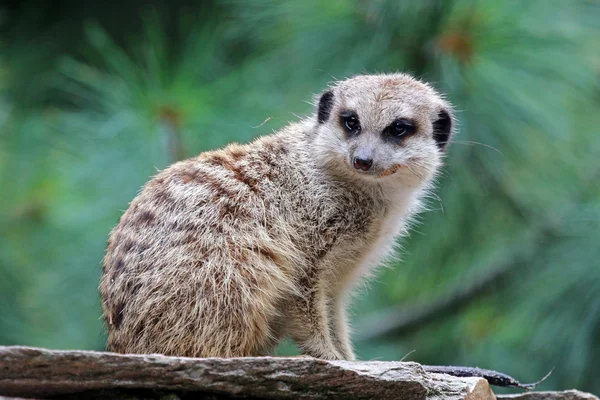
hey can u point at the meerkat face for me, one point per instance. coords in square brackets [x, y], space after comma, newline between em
[383, 127]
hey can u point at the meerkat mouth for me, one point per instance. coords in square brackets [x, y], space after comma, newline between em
[391, 170]
[387, 172]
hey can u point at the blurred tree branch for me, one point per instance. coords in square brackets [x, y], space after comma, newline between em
[400, 320]
[170, 123]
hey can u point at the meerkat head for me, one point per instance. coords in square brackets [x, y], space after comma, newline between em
[383, 127]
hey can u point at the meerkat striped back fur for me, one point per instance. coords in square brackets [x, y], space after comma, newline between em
[227, 253]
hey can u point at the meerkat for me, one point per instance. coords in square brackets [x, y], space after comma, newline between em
[227, 253]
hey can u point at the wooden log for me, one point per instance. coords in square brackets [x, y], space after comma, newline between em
[35, 372]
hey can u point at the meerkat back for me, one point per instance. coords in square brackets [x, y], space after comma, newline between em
[189, 269]
[226, 253]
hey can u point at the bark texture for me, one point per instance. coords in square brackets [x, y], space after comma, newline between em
[40, 373]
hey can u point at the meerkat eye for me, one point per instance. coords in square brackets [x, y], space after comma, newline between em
[350, 122]
[399, 129]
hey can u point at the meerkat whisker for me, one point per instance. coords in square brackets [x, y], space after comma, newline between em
[472, 143]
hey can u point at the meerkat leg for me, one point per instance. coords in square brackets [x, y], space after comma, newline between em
[310, 328]
[339, 327]
[216, 312]
[246, 309]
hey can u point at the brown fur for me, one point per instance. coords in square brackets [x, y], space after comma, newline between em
[224, 254]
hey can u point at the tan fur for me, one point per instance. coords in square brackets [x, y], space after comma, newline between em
[225, 254]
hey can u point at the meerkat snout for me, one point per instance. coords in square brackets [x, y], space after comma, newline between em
[363, 159]
[363, 164]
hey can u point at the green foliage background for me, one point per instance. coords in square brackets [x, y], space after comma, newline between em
[94, 98]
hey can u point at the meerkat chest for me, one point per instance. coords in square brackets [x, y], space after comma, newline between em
[354, 258]
[330, 221]
[392, 226]
[344, 230]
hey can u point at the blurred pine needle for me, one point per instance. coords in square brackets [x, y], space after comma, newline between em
[90, 107]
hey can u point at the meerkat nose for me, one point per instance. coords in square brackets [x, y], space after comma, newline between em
[363, 164]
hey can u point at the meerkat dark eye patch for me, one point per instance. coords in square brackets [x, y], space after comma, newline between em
[325, 105]
[399, 129]
[442, 128]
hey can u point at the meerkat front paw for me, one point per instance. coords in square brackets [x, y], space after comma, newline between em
[328, 355]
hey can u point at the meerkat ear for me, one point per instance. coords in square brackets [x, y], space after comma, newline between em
[325, 105]
[442, 129]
